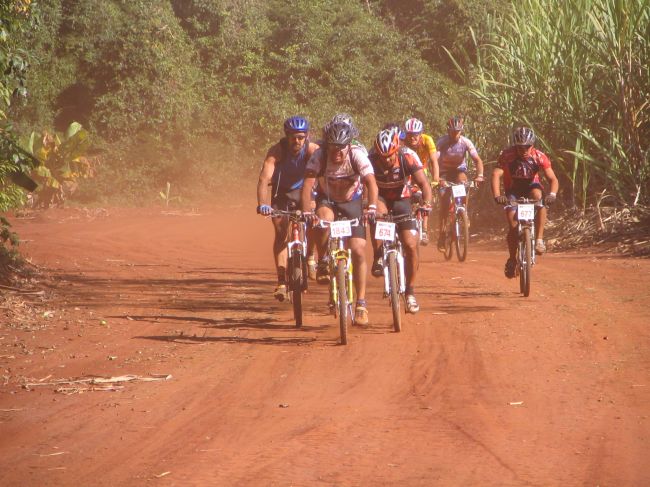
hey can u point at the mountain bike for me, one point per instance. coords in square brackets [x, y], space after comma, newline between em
[455, 226]
[341, 289]
[393, 263]
[526, 212]
[296, 271]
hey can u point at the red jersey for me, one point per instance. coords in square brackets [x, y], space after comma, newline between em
[521, 171]
[394, 181]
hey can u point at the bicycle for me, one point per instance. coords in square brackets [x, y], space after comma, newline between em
[341, 288]
[296, 270]
[393, 263]
[455, 227]
[526, 213]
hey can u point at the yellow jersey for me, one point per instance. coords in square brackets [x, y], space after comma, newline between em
[424, 150]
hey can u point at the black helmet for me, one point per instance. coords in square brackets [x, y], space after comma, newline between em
[523, 136]
[339, 133]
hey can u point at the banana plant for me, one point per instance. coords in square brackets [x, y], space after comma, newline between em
[62, 161]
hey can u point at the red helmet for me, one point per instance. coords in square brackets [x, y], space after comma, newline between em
[387, 142]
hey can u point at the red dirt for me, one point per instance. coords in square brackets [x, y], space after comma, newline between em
[482, 387]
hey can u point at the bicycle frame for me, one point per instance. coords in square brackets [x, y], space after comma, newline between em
[339, 255]
[393, 246]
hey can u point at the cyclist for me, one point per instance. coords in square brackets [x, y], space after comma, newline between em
[342, 169]
[520, 165]
[425, 148]
[394, 168]
[284, 169]
[451, 153]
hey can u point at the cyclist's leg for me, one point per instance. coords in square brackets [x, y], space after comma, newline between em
[353, 209]
[280, 227]
[443, 211]
[377, 270]
[461, 177]
[540, 219]
[408, 235]
[324, 211]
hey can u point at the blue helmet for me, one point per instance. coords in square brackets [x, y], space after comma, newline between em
[296, 124]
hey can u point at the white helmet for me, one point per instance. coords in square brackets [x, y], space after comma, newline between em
[413, 126]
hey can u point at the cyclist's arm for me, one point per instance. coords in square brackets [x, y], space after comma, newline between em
[434, 166]
[552, 179]
[371, 186]
[421, 180]
[479, 164]
[307, 187]
[266, 174]
[497, 172]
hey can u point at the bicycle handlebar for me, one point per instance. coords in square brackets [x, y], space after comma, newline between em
[389, 217]
[288, 214]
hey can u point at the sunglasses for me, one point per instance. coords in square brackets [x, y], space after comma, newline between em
[524, 147]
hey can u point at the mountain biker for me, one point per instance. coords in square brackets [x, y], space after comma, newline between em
[284, 170]
[451, 154]
[520, 165]
[341, 169]
[425, 148]
[394, 168]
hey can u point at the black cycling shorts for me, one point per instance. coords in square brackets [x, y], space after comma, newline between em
[400, 207]
[288, 201]
[347, 210]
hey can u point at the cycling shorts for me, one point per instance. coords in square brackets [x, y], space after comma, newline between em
[347, 210]
[288, 201]
[400, 207]
[523, 190]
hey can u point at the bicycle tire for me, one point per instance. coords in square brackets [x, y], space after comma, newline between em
[342, 302]
[394, 296]
[296, 288]
[462, 236]
[527, 263]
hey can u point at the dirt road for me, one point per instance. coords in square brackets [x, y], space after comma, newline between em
[483, 387]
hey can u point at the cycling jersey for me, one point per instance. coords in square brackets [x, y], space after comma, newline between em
[394, 181]
[424, 149]
[340, 182]
[289, 171]
[451, 154]
[522, 173]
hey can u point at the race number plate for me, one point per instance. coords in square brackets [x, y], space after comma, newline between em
[458, 190]
[526, 212]
[385, 231]
[341, 229]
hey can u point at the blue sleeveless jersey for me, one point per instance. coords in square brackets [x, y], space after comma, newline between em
[289, 172]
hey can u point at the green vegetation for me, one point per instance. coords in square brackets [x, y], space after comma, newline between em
[193, 92]
[578, 72]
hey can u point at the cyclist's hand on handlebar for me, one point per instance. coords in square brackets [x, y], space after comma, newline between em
[501, 199]
[549, 199]
[478, 180]
[425, 209]
[310, 218]
[370, 214]
[265, 210]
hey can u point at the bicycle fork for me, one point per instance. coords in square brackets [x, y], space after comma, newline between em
[399, 260]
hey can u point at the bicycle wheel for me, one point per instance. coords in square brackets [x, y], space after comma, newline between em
[527, 263]
[296, 287]
[449, 240]
[394, 292]
[342, 303]
[462, 235]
